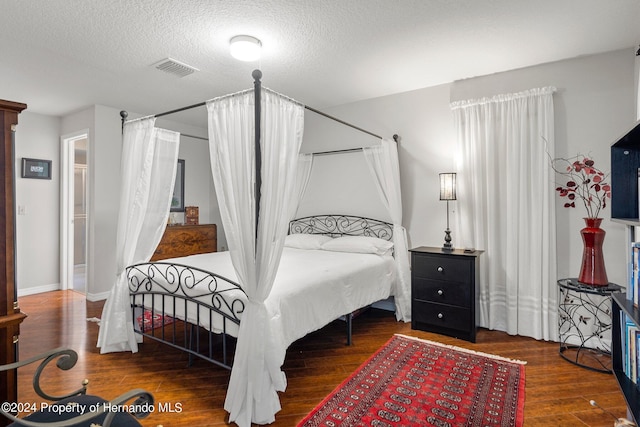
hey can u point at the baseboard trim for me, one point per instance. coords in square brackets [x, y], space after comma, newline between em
[38, 289]
[97, 297]
[56, 287]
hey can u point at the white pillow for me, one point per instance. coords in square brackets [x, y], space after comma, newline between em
[359, 244]
[306, 241]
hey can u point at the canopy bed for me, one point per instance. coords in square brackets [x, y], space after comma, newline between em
[259, 177]
[315, 285]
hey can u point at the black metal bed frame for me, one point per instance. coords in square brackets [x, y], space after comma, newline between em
[178, 290]
[342, 225]
[164, 287]
[181, 286]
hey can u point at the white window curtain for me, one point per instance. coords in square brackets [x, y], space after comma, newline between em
[506, 206]
[148, 172]
[305, 164]
[256, 376]
[382, 161]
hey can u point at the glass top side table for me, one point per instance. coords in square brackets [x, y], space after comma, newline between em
[584, 321]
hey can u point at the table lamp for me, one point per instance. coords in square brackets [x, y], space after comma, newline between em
[447, 192]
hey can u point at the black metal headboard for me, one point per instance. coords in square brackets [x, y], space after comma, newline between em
[342, 225]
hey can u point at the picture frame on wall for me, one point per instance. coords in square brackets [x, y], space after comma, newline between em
[177, 199]
[36, 168]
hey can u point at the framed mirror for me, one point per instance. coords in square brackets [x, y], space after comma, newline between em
[177, 200]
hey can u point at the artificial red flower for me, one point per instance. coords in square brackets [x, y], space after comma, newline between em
[585, 182]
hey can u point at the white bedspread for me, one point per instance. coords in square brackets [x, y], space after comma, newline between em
[312, 288]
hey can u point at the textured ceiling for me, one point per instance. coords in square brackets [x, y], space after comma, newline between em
[59, 56]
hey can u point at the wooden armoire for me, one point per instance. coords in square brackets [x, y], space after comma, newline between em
[10, 315]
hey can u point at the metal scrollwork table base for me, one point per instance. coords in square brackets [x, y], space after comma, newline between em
[584, 320]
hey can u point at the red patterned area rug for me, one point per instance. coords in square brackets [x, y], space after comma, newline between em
[153, 320]
[411, 382]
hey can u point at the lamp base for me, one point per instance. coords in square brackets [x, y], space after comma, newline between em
[447, 247]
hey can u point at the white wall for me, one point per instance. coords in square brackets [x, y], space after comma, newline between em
[103, 183]
[104, 163]
[37, 231]
[82, 121]
[199, 190]
[105, 150]
[593, 106]
[424, 123]
[329, 193]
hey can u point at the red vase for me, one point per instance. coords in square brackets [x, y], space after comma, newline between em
[592, 271]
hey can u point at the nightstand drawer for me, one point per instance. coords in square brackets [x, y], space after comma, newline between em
[452, 293]
[441, 315]
[441, 268]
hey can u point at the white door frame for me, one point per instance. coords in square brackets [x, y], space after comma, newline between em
[67, 161]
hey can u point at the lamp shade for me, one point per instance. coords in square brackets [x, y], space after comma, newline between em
[448, 186]
[245, 48]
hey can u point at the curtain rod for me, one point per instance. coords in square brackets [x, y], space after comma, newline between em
[124, 114]
[342, 122]
[178, 110]
[346, 150]
[194, 136]
[317, 153]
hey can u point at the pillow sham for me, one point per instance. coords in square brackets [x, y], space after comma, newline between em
[359, 244]
[306, 241]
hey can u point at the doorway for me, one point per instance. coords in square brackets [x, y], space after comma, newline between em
[74, 212]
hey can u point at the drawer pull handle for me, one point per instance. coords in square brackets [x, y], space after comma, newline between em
[440, 269]
[440, 315]
[440, 292]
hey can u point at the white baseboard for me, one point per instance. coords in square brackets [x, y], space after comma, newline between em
[38, 289]
[97, 297]
[56, 287]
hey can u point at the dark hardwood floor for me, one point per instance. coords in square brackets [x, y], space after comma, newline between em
[557, 392]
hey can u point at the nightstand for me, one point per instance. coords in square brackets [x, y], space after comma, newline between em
[443, 291]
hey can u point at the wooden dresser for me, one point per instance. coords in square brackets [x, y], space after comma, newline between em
[10, 314]
[184, 240]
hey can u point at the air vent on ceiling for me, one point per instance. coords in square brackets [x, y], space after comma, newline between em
[174, 67]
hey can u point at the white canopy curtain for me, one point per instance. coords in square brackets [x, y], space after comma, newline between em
[384, 166]
[256, 376]
[305, 164]
[148, 173]
[506, 202]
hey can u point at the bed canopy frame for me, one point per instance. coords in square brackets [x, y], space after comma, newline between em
[257, 75]
[257, 89]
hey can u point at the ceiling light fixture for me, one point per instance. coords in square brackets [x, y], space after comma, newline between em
[245, 48]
